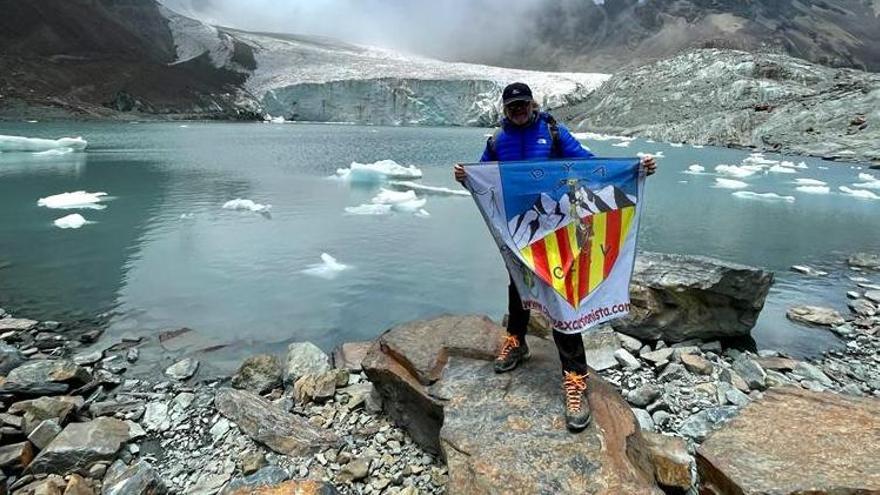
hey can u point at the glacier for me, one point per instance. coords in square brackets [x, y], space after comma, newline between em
[313, 78]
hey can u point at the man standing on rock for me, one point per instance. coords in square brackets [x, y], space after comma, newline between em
[526, 133]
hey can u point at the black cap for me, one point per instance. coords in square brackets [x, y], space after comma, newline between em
[516, 92]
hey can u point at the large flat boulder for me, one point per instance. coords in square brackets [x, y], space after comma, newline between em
[405, 360]
[795, 441]
[677, 297]
[272, 426]
[504, 433]
[80, 445]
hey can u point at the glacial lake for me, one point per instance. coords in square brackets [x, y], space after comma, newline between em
[164, 254]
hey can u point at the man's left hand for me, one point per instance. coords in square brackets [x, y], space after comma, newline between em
[649, 165]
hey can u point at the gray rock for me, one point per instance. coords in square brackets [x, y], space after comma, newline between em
[699, 425]
[811, 372]
[862, 307]
[304, 358]
[644, 419]
[16, 324]
[643, 395]
[631, 344]
[183, 369]
[258, 374]
[10, 358]
[132, 355]
[269, 475]
[266, 423]
[658, 357]
[873, 296]
[661, 417]
[776, 379]
[315, 387]
[853, 294]
[714, 346]
[156, 417]
[815, 315]
[750, 371]
[350, 355]
[88, 359]
[767, 353]
[676, 298]
[697, 364]
[15, 457]
[627, 360]
[672, 372]
[44, 433]
[138, 479]
[81, 444]
[37, 374]
[865, 260]
[355, 470]
[736, 397]
[600, 346]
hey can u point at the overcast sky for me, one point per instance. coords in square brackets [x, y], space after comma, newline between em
[447, 28]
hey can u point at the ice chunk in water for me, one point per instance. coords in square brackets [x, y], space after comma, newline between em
[814, 189]
[810, 182]
[73, 221]
[425, 189]
[764, 196]
[858, 193]
[246, 205]
[730, 184]
[622, 144]
[74, 200]
[368, 209]
[55, 152]
[21, 143]
[377, 171]
[329, 268]
[734, 171]
[781, 169]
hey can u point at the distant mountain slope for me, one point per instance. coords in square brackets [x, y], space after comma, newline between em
[610, 35]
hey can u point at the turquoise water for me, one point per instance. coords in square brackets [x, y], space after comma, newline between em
[164, 254]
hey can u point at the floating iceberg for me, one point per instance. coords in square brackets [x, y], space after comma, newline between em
[868, 182]
[622, 144]
[695, 169]
[239, 204]
[368, 209]
[697, 146]
[758, 159]
[781, 169]
[405, 201]
[814, 189]
[73, 221]
[377, 172]
[642, 154]
[810, 182]
[327, 269]
[55, 152]
[858, 193]
[734, 171]
[425, 189]
[764, 196]
[74, 200]
[20, 143]
[274, 120]
[422, 213]
[730, 184]
[676, 145]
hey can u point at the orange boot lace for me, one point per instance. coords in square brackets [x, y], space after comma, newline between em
[574, 386]
[510, 343]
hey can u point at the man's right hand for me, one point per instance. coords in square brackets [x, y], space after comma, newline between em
[459, 173]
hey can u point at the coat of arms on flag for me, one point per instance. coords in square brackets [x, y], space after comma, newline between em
[567, 232]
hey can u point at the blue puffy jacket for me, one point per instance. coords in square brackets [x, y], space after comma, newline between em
[532, 142]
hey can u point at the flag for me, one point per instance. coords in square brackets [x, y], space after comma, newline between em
[567, 232]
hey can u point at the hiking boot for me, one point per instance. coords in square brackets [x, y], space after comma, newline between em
[513, 352]
[577, 408]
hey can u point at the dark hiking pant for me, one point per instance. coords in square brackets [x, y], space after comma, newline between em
[570, 346]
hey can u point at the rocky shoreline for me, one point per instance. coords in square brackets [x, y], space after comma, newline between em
[414, 412]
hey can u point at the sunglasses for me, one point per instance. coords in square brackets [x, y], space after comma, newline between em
[518, 105]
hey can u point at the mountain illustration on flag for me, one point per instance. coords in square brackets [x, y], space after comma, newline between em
[572, 244]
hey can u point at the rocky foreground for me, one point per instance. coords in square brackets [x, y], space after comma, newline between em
[419, 410]
[766, 101]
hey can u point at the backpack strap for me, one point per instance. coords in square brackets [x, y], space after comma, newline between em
[555, 147]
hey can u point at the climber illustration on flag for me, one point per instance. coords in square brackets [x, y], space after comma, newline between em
[567, 232]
